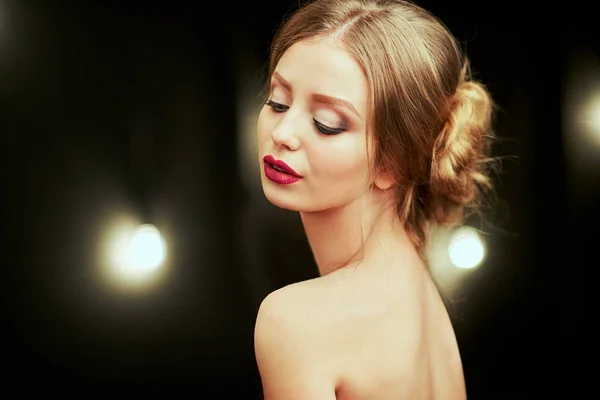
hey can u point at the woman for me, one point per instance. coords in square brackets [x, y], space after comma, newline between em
[373, 132]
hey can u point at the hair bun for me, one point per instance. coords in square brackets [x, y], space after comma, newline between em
[460, 152]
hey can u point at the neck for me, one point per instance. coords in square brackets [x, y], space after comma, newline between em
[349, 234]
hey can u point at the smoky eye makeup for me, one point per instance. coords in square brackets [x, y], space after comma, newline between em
[321, 128]
[333, 119]
[327, 122]
[326, 130]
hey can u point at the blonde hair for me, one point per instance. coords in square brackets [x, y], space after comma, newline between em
[428, 120]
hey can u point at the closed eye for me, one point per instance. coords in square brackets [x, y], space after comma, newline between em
[322, 129]
[327, 130]
[278, 108]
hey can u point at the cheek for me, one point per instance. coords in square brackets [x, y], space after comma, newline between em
[340, 162]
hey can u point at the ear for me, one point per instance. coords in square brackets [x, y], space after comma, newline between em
[383, 181]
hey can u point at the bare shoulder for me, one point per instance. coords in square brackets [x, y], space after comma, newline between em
[311, 336]
[289, 347]
[347, 336]
[291, 307]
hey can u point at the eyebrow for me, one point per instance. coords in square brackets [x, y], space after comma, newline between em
[320, 98]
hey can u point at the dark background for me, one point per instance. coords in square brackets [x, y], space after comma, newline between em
[131, 108]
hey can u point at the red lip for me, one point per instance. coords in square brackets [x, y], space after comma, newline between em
[281, 165]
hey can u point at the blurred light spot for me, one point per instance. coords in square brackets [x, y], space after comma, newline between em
[135, 255]
[466, 248]
[146, 250]
[449, 279]
[581, 122]
[591, 116]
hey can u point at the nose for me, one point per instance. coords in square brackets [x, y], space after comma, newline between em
[285, 134]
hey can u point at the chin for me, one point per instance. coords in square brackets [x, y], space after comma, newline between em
[291, 201]
[278, 197]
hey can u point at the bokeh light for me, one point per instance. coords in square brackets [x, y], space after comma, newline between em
[466, 249]
[146, 250]
[136, 255]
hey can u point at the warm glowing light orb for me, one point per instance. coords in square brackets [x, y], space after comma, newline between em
[146, 250]
[138, 254]
[466, 249]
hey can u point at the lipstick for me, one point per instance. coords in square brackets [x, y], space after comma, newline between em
[279, 172]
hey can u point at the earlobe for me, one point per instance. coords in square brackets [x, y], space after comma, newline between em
[383, 181]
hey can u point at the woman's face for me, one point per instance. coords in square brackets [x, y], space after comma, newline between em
[314, 122]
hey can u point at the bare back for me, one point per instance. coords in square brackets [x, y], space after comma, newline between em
[384, 336]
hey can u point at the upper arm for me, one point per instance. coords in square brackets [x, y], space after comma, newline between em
[289, 354]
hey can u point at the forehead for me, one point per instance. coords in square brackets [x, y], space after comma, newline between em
[321, 66]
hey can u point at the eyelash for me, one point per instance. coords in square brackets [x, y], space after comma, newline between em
[322, 129]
